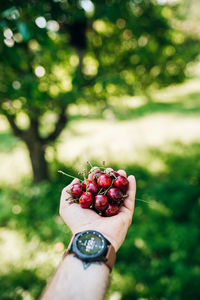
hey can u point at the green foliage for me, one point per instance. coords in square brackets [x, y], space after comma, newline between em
[24, 278]
[55, 53]
[8, 141]
[161, 254]
[38, 207]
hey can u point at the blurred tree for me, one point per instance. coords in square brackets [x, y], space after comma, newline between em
[56, 52]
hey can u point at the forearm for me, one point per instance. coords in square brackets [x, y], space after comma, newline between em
[74, 280]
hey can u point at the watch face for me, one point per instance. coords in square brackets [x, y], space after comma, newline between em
[89, 245]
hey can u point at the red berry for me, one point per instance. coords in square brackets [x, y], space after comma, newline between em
[111, 210]
[104, 181]
[86, 199]
[76, 190]
[92, 186]
[100, 202]
[98, 174]
[115, 194]
[113, 174]
[122, 183]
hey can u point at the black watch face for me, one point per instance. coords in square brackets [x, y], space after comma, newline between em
[89, 245]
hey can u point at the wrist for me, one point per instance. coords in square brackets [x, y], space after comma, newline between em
[112, 241]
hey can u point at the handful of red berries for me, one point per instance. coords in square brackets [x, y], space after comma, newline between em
[104, 192]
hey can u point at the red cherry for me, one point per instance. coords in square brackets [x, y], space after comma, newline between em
[86, 199]
[92, 186]
[111, 210]
[100, 202]
[76, 190]
[98, 174]
[119, 203]
[104, 181]
[122, 183]
[115, 194]
[113, 174]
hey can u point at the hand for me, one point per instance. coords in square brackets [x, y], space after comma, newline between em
[113, 228]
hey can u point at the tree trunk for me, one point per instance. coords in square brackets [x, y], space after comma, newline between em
[38, 161]
[36, 144]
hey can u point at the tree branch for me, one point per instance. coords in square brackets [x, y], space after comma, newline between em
[60, 125]
[16, 130]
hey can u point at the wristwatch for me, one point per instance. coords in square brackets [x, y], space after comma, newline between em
[90, 246]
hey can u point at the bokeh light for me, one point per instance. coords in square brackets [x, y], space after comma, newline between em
[9, 42]
[18, 37]
[87, 5]
[8, 33]
[53, 25]
[40, 22]
[16, 85]
[39, 71]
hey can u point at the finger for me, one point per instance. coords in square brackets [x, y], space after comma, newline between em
[122, 173]
[65, 193]
[126, 214]
[68, 187]
[129, 202]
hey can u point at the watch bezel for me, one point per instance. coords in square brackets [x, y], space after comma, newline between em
[100, 255]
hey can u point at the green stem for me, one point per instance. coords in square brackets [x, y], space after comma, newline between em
[138, 199]
[61, 172]
[89, 163]
[100, 190]
[114, 175]
[85, 179]
[109, 187]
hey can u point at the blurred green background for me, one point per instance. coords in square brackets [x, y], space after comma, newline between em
[113, 80]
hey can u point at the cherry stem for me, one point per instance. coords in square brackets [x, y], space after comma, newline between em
[121, 205]
[85, 179]
[89, 163]
[113, 175]
[138, 199]
[61, 172]
[100, 190]
[70, 198]
[108, 188]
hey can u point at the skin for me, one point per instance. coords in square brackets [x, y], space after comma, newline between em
[113, 228]
[72, 280]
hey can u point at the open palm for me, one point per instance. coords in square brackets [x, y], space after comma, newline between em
[113, 228]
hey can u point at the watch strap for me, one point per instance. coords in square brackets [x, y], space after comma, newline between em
[110, 257]
[68, 250]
